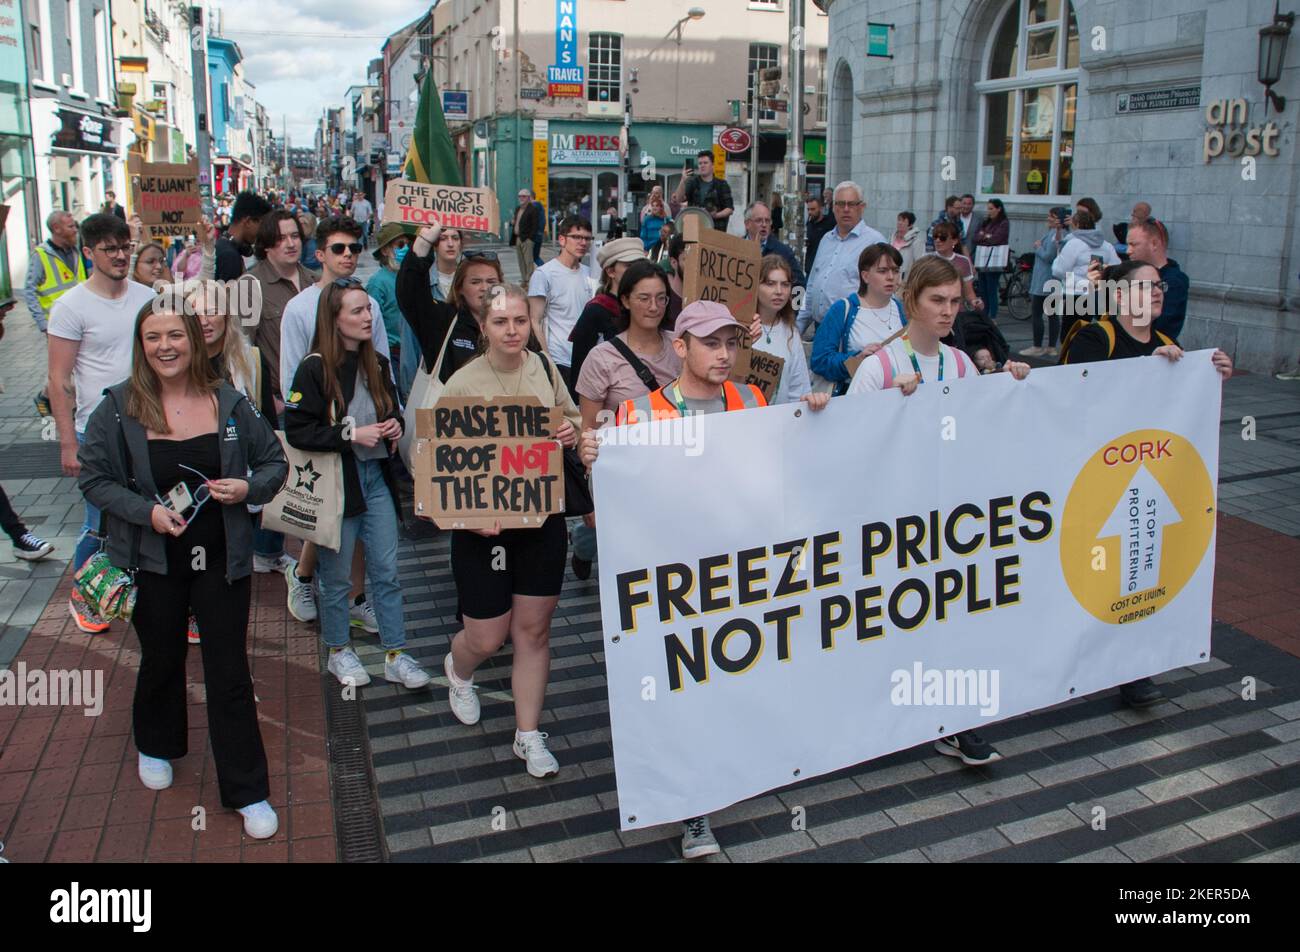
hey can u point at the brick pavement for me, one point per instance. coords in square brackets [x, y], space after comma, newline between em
[1205, 777]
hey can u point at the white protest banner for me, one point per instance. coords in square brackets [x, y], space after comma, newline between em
[788, 593]
[451, 206]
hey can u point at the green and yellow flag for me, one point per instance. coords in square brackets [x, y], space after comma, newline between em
[431, 157]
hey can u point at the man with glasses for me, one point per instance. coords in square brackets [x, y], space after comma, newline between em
[758, 227]
[835, 272]
[338, 249]
[527, 233]
[92, 327]
[558, 292]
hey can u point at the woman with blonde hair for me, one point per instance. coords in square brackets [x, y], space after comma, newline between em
[509, 580]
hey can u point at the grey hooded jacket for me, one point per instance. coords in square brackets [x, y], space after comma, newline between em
[250, 450]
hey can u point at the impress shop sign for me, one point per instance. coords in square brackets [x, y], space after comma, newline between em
[580, 148]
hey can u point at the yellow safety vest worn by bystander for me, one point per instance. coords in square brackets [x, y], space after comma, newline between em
[58, 278]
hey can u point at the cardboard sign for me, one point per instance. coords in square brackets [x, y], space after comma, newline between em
[166, 197]
[758, 367]
[483, 461]
[720, 267]
[451, 206]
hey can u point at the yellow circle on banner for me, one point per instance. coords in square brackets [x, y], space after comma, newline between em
[1136, 524]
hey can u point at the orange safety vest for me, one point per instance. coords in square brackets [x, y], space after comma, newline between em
[662, 408]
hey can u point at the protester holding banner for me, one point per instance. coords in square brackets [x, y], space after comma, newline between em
[854, 326]
[150, 263]
[174, 427]
[597, 322]
[446, 261]
[779, 336]
[391, 246]
[1138, 294]
[453, 323]
[707, 341]
[343, 400]
[509, 580]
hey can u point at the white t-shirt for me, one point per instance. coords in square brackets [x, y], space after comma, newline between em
[105, 328]
[871, 375]
[444, 282]
[787, 344]
[567, 291]
[874, 324]
[298, 327]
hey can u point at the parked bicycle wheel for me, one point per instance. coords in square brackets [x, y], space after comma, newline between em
[1015, 296]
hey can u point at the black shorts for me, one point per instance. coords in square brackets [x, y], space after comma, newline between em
[534, 561]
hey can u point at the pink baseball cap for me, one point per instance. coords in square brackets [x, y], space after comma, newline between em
[702, 318]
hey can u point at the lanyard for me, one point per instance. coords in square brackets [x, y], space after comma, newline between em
[679, 399]
[911, 355]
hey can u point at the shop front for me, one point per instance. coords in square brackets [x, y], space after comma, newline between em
[77, 157]
[17, 180]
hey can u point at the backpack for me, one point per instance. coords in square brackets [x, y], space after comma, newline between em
[1107, 325]
[888, 365]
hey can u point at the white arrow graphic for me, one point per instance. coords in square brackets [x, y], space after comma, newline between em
[1139, 519]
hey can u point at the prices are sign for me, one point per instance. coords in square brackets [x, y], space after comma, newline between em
[166, 197]
[451, 206]
[479, 462]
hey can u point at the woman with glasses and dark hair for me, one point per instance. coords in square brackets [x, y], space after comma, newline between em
[452, 324]
[173, 456]
[343, 400]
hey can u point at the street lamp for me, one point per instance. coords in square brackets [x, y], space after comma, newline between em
[694, 13]
[1272, 55]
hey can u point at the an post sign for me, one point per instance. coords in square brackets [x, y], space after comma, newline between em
[564, 78]
[878, 39]
[455, 104]
[82, 132]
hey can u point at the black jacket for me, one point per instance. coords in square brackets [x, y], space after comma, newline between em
[813, 235]
[594, 325]
[247, 444]
[308, 424]
[432, 320]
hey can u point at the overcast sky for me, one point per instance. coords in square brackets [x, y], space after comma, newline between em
[297, 76]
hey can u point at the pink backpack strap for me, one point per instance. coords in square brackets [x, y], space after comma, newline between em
[961, 362]
[887, 367]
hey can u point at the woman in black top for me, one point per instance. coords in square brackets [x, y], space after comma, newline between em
[343, 401]
[172, 457]
[467, 302]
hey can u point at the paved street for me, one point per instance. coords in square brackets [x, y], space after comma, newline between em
[1207, 776]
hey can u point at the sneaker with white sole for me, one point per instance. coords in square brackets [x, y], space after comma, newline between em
[31, 548]
[406, 671]
[302, 597]
[461, 695]
[260, 821]
[347, 667]
[697, 839]
[363, 616]
[155, 773]
[531, 748]
[263, 564]
[1034, 351]
[969, 747]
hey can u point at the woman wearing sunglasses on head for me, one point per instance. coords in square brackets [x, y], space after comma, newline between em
[172, 458]
[508, 580]
[343, 400]
[455, 321]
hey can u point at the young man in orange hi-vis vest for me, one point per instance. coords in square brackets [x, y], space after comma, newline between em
[707, 339]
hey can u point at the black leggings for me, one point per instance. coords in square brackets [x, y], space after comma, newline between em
[1036, 302]
[9, 521]
[160, 619]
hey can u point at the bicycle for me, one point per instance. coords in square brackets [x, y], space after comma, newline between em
[1013, 291]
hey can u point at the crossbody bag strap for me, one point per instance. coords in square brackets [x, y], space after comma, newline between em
[635, 363]
[131, 484]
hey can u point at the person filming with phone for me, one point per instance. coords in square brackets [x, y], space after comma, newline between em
[700, 189]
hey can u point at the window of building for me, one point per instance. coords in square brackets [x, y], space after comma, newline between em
[102, 80]
[74, 43]
[761, 56]
[162, 93]
[605, 68]
[1028, 100]
[765, 4]
[823, 99]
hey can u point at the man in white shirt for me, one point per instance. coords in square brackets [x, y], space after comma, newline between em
[362, 212]
[91, 334]
[558, 292]
[970, 223]
[835, 269]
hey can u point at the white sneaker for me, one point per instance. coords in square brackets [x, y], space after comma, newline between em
[363, 616]
[302, 596]
[697, 839]
[155, 773]
[272, 563]
[461, 695]
[1052, 352]
[260, 821]
[405, 671]
[532, 750]
[1033, 352]
[347, 667]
